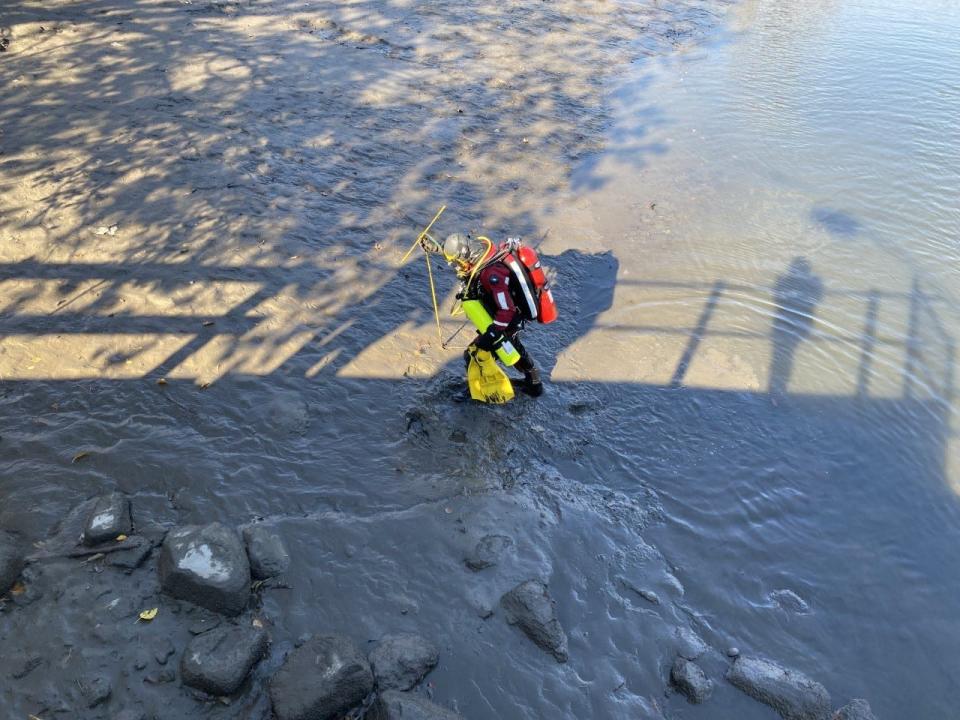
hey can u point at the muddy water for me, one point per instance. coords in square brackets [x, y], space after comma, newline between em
[750, 212]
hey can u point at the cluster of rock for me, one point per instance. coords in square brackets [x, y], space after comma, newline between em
[106, 526]
[791, 693]
[213, 566]
[326, 676]
[527, 606]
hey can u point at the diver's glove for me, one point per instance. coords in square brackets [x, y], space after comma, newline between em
[430, 245]
[489, 340]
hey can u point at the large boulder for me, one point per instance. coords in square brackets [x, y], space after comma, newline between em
[690, 680]
[402, 660]
[487, 551]
[858, 709]
[109, 518]
[530, 607]
[268, 555]
[321, 680]
[393, 705]
[218, 661]
[11, 561]
[790, 693]
[206, 565]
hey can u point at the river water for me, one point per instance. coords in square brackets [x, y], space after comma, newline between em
[752, 212]
[785, 209]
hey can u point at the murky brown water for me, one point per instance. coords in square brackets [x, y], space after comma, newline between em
[753, 214]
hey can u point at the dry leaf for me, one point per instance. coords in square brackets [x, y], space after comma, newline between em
[79, 456]
[149, 614]
[121, 537]
[18, 588]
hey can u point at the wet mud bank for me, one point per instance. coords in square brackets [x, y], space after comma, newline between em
[222, 400]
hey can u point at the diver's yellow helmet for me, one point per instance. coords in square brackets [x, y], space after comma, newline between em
[463, 251]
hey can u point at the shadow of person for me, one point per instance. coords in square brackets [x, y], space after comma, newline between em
[582, 285]
[795, 295]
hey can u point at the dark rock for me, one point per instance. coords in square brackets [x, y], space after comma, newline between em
[402, 660]
[268, 555]
[530, 607]
[206, 565]
[218, 661]
[690, 680]
[11, 561]
[110, 517]
[393, 705]
[95, 689]
[689, 644]
[487, 552]
[163, 651]
[858, 709]
[204, 623]
[137, 549]
[320, 680]
[790, 693]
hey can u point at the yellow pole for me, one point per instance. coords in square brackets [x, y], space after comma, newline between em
[433, 295]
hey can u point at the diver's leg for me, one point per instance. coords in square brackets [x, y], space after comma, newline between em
[532, 384]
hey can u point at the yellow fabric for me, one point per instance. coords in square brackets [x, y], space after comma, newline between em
[486, 380]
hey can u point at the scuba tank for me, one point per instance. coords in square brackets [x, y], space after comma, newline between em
[478, 315]
[530, 289]
[531, 262]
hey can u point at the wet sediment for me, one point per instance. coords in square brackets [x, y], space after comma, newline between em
[167, 158]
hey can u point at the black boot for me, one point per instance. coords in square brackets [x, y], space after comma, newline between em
[532, 385]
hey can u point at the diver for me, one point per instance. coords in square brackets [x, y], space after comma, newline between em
[511, 289]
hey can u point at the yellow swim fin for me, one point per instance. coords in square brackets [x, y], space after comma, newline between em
[486, 380]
